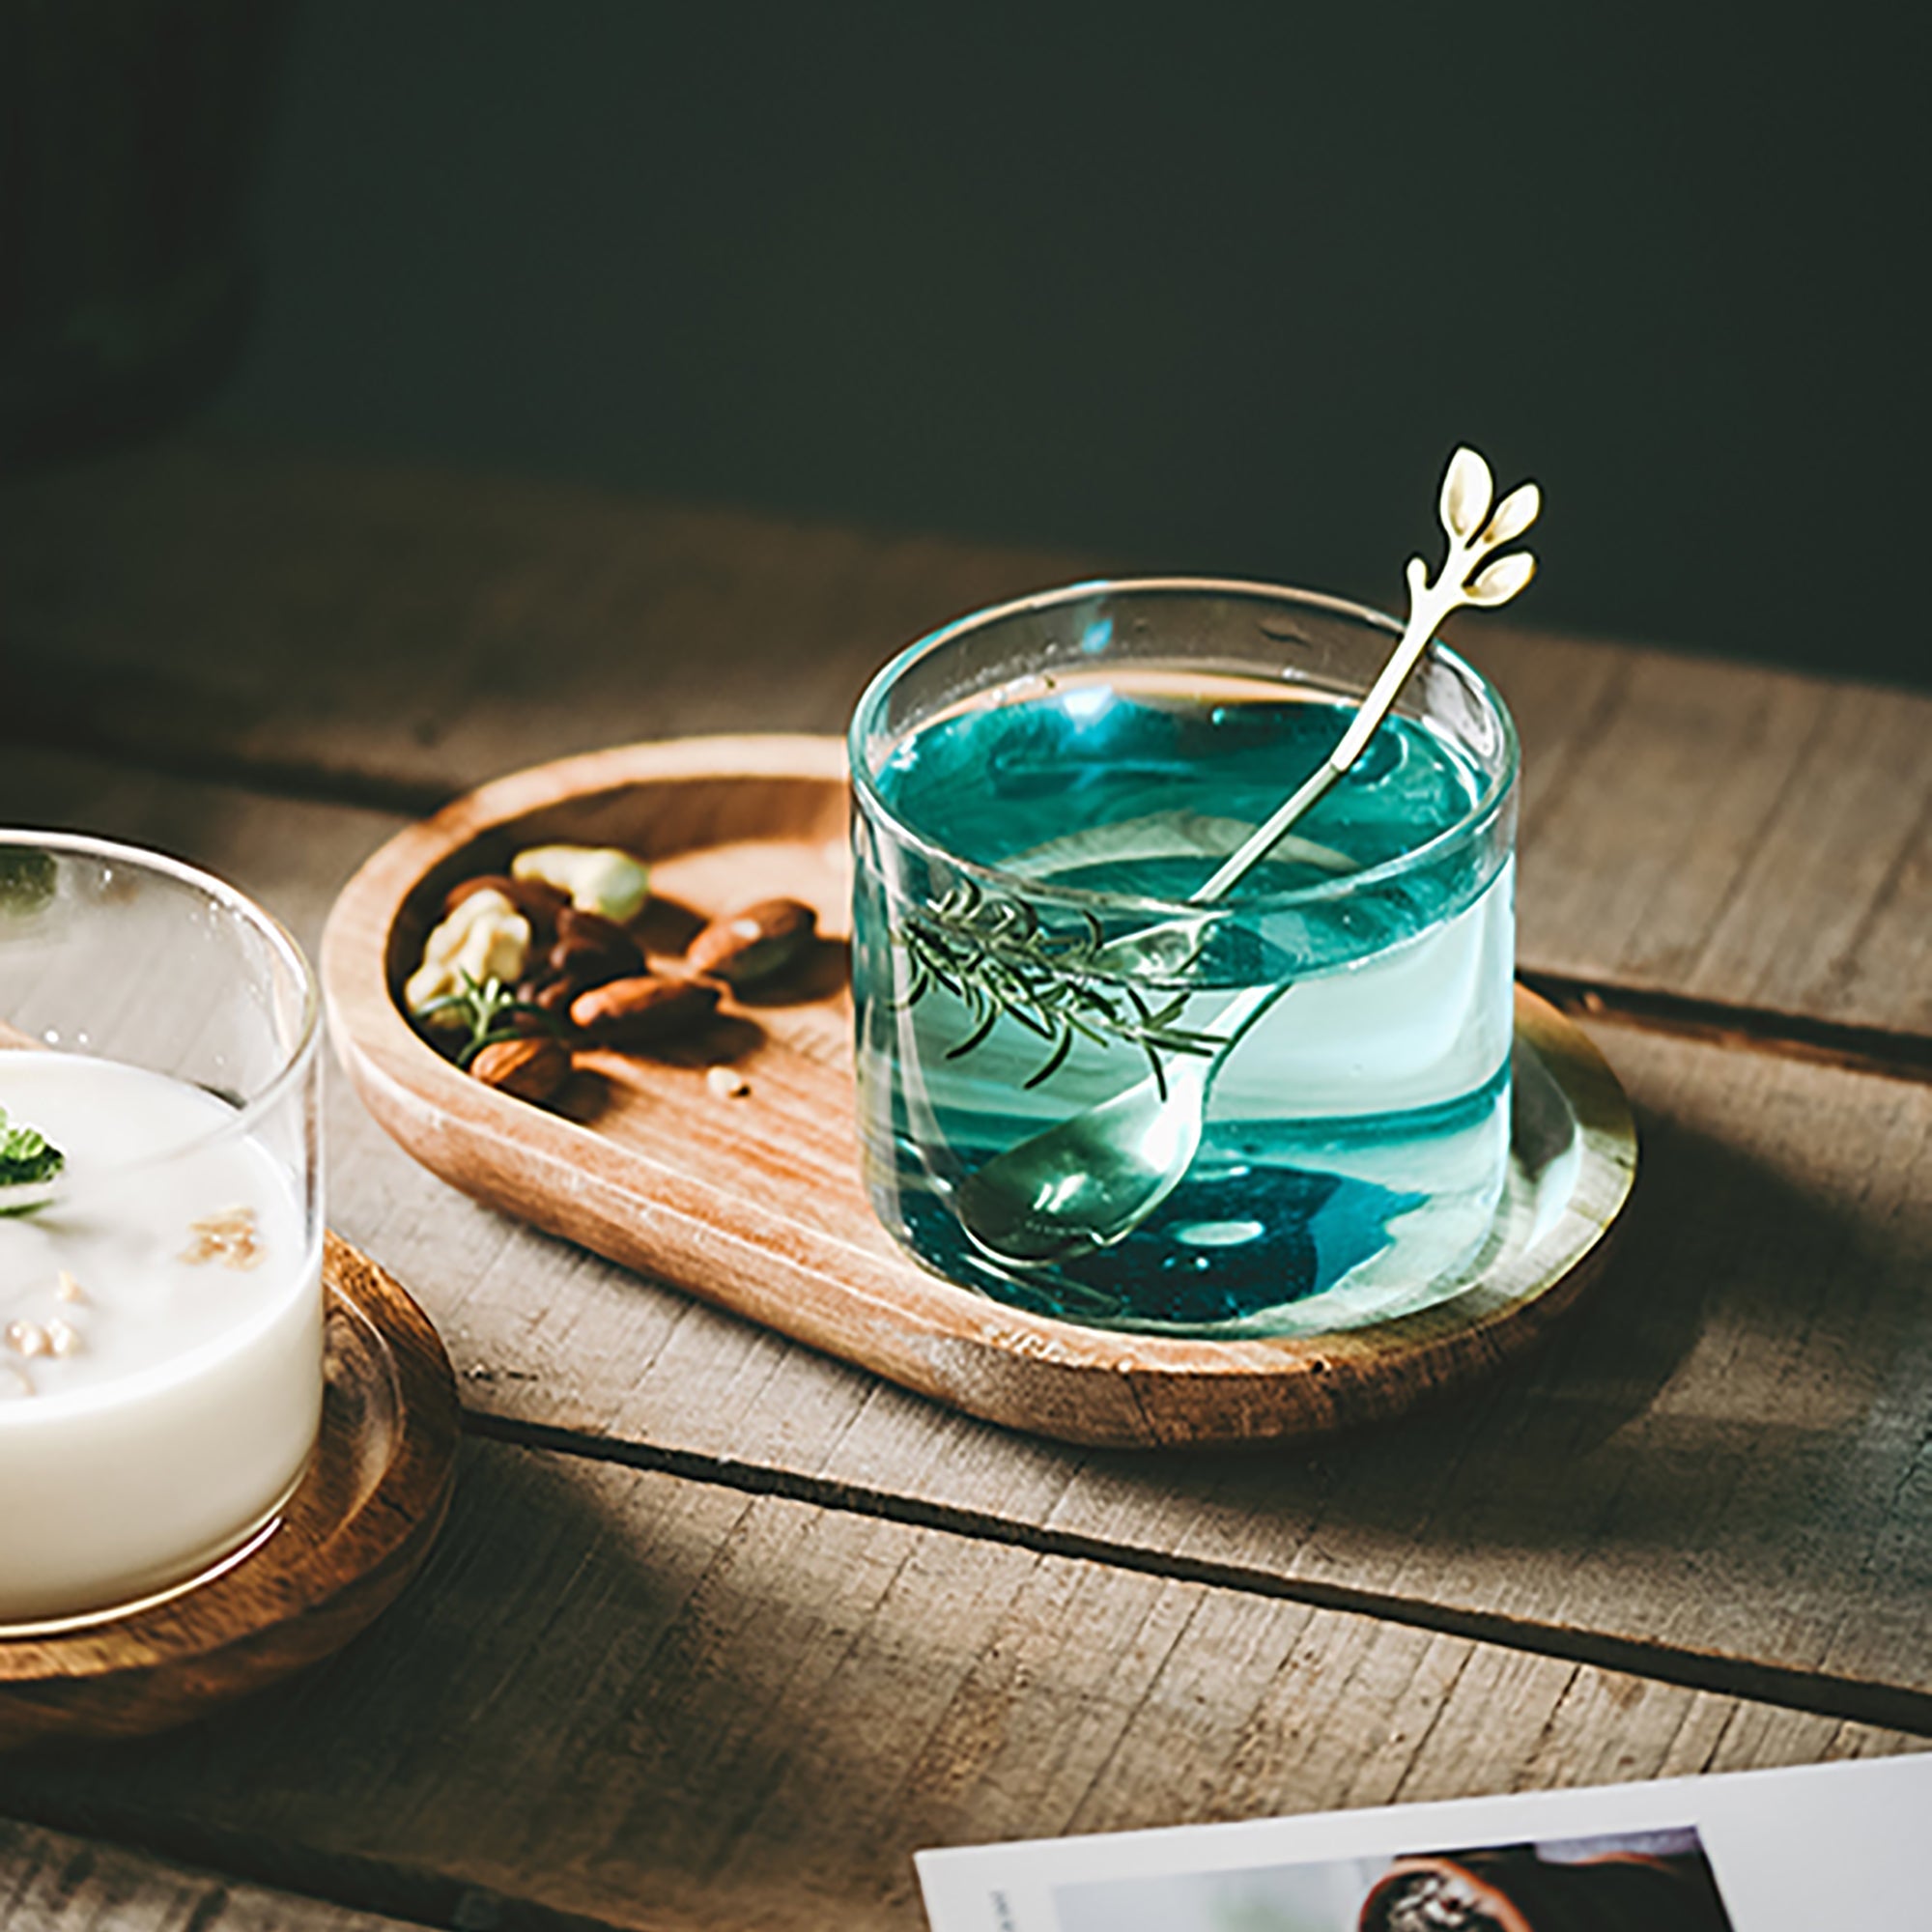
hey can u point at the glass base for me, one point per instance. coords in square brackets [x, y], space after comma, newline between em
[204, 1570]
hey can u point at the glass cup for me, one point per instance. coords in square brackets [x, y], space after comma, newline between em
[161, 1291]
[1282, 1111]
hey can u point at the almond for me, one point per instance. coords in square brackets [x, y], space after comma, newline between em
[554, 995]
[591, 928]
[755, 944]
[644, 1007]
[529, 1069]
[591, 949]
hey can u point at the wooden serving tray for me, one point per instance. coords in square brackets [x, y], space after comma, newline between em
[757, 1204]
[355, 1530]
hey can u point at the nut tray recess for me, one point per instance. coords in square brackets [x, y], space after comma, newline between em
[756, 1202]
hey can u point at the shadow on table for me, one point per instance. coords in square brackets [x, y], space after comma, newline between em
[1733, 1394]
[616, 1687]
[608, 1686]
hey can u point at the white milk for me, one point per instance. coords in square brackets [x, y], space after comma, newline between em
[155, 1408]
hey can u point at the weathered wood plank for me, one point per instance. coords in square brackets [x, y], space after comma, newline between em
[426, 630]
[1729, 1452]
[52, 1882]
[1757, 837]
[665, 1703]
[1753, 837]
[1726, 1451]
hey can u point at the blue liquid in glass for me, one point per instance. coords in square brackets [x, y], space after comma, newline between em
[1355, 1135]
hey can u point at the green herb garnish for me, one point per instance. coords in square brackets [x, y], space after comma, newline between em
[490, 1011]
[996, 957]
[27, 1159]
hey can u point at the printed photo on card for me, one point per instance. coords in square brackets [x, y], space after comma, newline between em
[1660, 1880]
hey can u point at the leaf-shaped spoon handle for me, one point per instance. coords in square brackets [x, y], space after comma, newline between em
[1473, 533]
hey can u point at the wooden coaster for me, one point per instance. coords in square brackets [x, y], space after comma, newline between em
[355, 1530]
[753, 1199]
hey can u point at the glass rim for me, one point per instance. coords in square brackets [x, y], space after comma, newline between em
[232, 899]
[1472, 823]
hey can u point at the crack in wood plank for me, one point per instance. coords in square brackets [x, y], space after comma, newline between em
[1822, 1694]
[68, 1873]
[1894, 1054]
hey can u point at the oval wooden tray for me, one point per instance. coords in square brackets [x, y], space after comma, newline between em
[355, 1530]
[757, 1202]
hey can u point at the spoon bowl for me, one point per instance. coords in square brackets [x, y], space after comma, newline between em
[1094, 1178]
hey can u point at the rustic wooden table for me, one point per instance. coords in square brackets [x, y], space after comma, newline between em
[720, 1631]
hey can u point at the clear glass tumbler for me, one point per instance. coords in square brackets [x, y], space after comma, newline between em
[1089, 1095]
[161, 1224]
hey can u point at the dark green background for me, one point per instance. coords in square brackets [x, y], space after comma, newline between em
[1203, 288]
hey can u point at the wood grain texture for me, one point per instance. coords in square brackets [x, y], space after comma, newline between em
[1753, 837]
[1760, 838]
[1725, 1456]
[355, 1530]
[673, 1703]
[667, 1704]
[52, 1882]
[757, 1204]
[425, 631]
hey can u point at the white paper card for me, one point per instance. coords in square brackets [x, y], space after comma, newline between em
[1766, 1851]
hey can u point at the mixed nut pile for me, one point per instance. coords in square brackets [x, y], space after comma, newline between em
[526, 966]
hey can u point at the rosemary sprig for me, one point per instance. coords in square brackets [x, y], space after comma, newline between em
[489, 1010]
[995, 956]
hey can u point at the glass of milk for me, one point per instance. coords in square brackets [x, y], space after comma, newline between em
[160, 1294]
